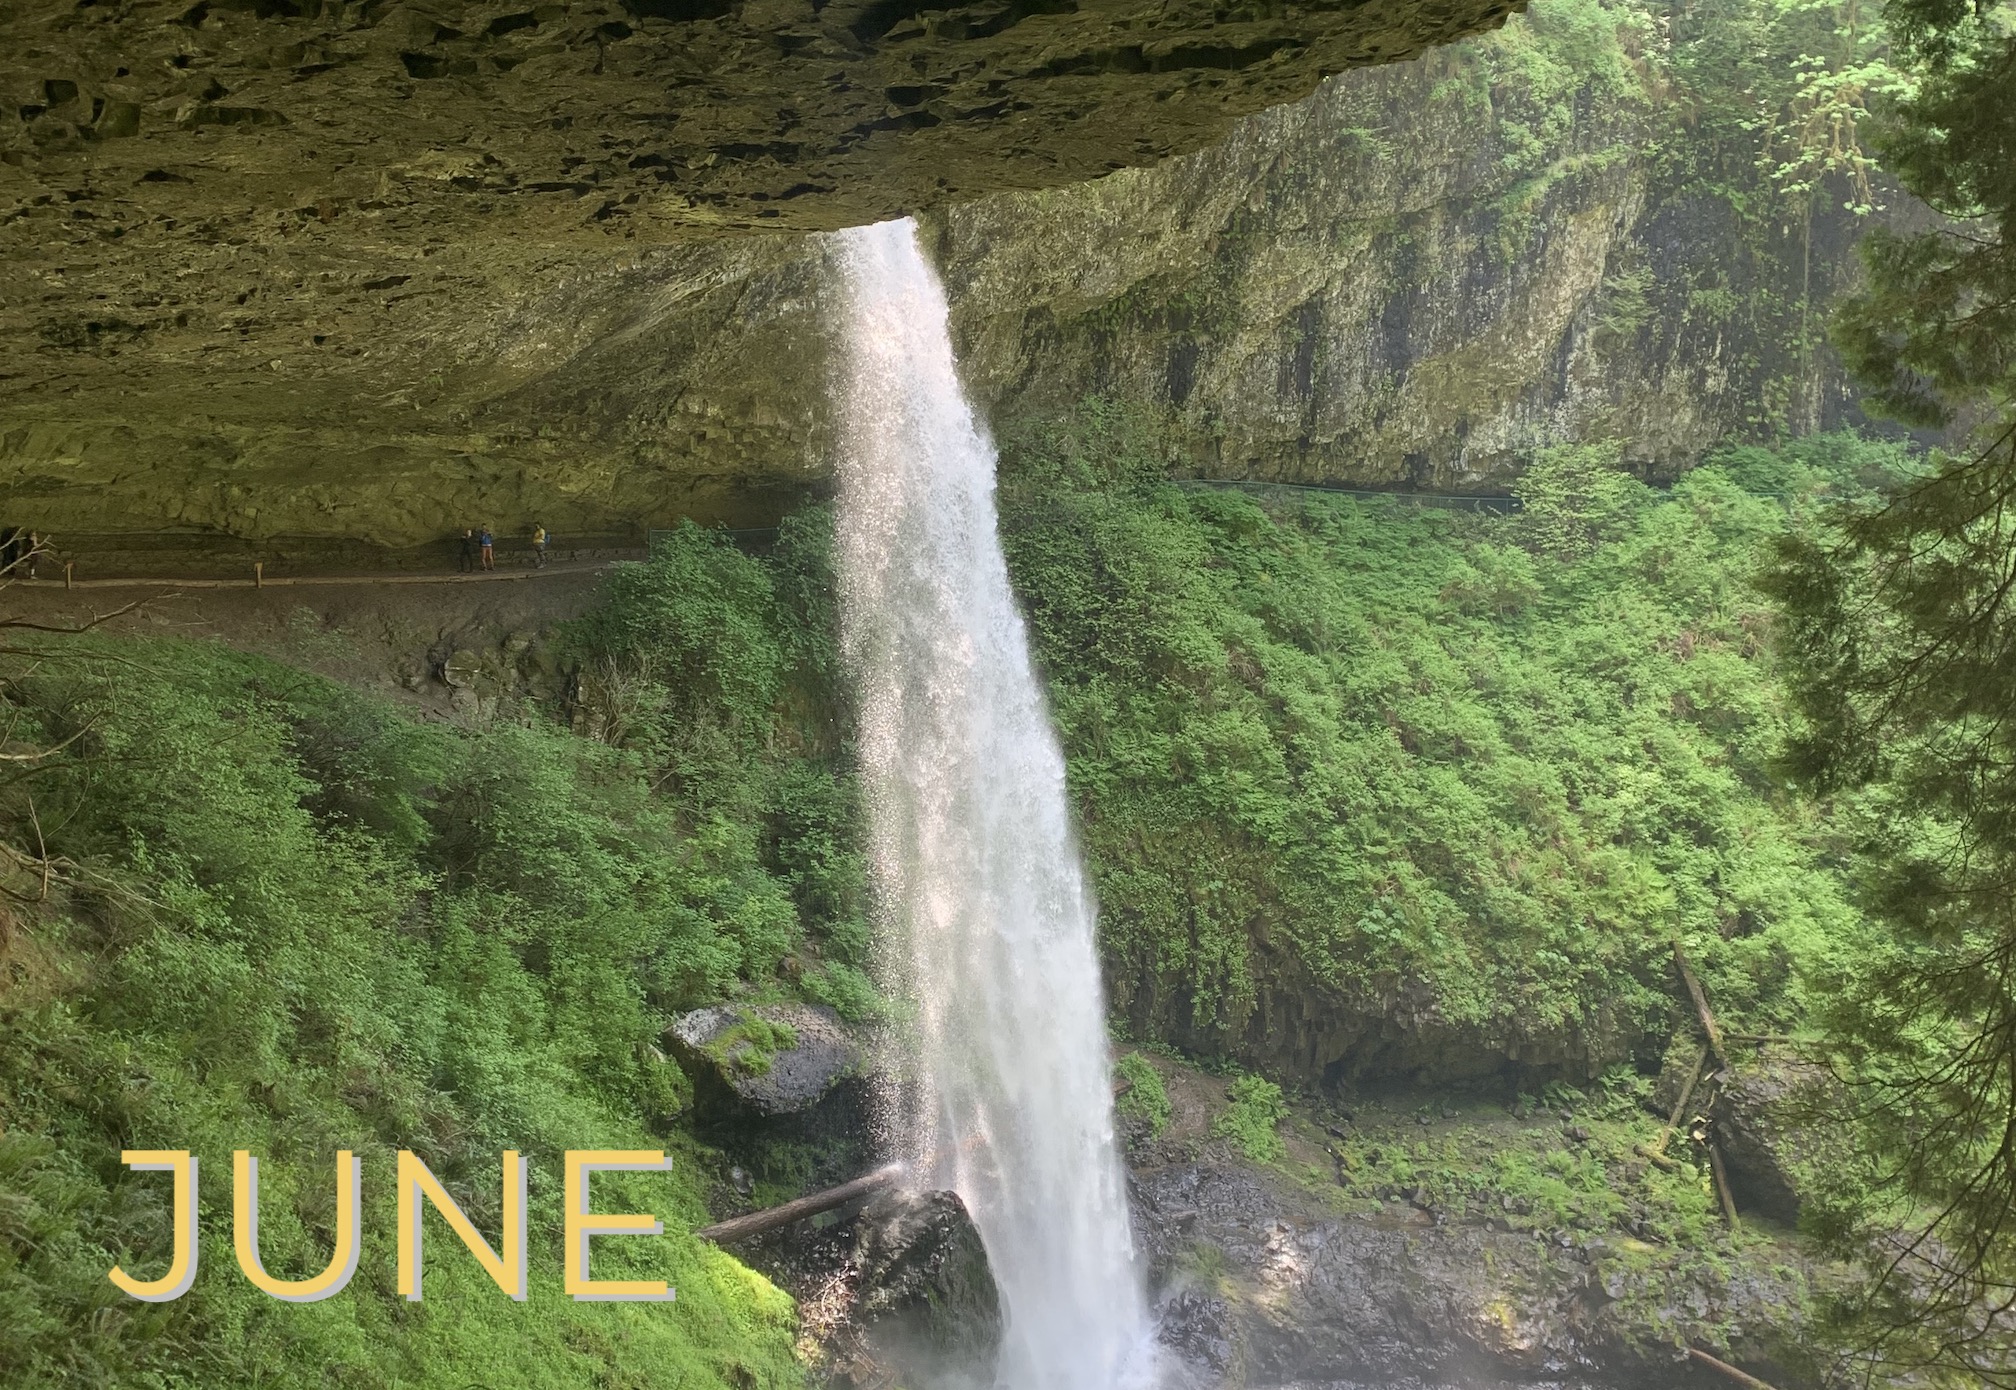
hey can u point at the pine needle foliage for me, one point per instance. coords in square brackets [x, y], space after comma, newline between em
[1900, 651]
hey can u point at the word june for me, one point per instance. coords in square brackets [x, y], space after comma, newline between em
[505, 1265]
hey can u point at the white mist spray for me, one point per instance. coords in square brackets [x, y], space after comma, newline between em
[989, 923]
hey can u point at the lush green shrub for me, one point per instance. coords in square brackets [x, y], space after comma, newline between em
[1145, 1098]
[1252, 1121]
[720, 671]
[1575, 497]
[290, 920]
[1331, 745]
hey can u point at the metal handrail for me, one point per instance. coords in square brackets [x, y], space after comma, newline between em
[1458, 501]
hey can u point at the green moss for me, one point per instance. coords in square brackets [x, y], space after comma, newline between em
[751, 1044]
[1206, 1264]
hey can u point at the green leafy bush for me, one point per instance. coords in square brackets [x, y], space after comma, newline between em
[288, 919]
[1575, 497]
[1341, 749]
[1252, 1121]
[1145, 1098]
[719, 671]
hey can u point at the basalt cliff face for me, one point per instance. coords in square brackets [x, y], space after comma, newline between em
[243, 238]
[1423, 274]
[466, 265]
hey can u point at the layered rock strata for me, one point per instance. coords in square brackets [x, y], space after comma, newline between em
[265, 260]
[1416, 277]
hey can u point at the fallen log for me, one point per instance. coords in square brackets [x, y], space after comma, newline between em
[1715, 1363]
[1708, 1024]
[1680, 1108]
[1657, 1157]
[770, 1218]
[1722, 1186]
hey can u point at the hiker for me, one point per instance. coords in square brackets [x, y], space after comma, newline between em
[487, 543]
[465, 559]
[539, 539]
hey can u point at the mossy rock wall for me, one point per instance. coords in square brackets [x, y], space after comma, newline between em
[1425, 273]
[1415, 277]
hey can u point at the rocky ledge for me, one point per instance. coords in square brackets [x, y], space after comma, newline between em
[1409, 1243]
[381, 127]
[1429, 1242]
[1262, 1287]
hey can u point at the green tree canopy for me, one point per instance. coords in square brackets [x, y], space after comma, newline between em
[1900, 639]
[1935, 334]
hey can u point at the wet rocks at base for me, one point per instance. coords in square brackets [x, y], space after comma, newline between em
[1255, 1286]
[1258, 1281]
[1260, 1287]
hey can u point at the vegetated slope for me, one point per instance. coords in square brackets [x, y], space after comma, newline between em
[284, 918]
[1368, 793]
[1374, 792]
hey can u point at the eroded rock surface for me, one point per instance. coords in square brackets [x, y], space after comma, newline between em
[1391, 284]
[1266, 1277]
[1262, 1287]
[257, 244]
[417, 122]
[1412, 277]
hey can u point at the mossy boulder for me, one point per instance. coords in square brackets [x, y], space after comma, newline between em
[1777, 1120]
[774, 1059]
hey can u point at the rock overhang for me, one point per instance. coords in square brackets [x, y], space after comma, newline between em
[260, 254]
[668, 118]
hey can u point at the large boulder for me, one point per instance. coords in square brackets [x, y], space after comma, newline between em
[773, 1059]
[924, 1294]
[1765, 1120]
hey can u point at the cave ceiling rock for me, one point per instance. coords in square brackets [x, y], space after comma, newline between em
[256, 255]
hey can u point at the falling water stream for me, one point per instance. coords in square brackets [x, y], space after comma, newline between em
[989, 923]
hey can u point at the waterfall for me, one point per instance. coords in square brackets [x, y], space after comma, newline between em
[988, 932]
